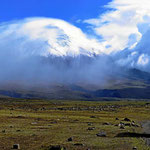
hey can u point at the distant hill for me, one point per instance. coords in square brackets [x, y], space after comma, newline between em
[132, 83]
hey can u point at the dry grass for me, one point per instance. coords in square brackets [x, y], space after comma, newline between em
[37, 124]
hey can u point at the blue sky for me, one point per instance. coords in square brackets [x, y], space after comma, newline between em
[68, 10]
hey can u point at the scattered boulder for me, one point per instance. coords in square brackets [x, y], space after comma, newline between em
[126, 119]
[101, 134]
[89, 124]
[106, 123]
[78, 144]
[92, 117]
[76, 120]
[18, 130]
[134, 148]
[3, 131]
[16, 146]
[70, 139]
[57, 147]
[121, 124]
[122, 127]
[134, 125]
[127, 124]
[91, 128]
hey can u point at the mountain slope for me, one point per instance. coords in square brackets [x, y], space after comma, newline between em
[132, 83]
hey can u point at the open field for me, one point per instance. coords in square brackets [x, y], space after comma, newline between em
[39, 124]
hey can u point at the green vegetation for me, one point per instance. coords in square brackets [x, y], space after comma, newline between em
[39, 124]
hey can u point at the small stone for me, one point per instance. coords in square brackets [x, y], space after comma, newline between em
[127, 124]
[92, 117]
[117, 118]
[127, 119]
[121, 124]
[18, 130]
[134, 148]
[106, 123]
[76, 120]
[91, 128]
[70, 139]
[3, 131]
[16, 146]
[101, 134]
[134, 125]
[89, 124]
[57, 147]
[122, 127]
[116, 125]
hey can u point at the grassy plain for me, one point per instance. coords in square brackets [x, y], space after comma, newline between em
[39, 124]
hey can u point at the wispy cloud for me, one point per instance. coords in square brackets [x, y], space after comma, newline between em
[121, 25]
[48, 50]
[60, 37]
[28, 47]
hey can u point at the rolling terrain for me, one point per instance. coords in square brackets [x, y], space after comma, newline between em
[131, 84]
[74, 125]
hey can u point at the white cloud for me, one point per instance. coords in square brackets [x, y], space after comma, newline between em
[117, 25]
[143, 60]
[121, 29]
[28, 47]
[60, 37]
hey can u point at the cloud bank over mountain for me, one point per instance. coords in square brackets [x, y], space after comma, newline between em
[52, 50]
[52, 36]
[123, 25]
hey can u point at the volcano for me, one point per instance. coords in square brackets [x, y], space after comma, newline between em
[52, 59]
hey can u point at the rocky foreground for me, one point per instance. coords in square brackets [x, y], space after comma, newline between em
[74, 125]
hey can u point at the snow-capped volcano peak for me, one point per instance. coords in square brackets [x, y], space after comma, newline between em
[51, 37]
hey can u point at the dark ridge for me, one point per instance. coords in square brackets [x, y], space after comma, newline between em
[138, 93]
